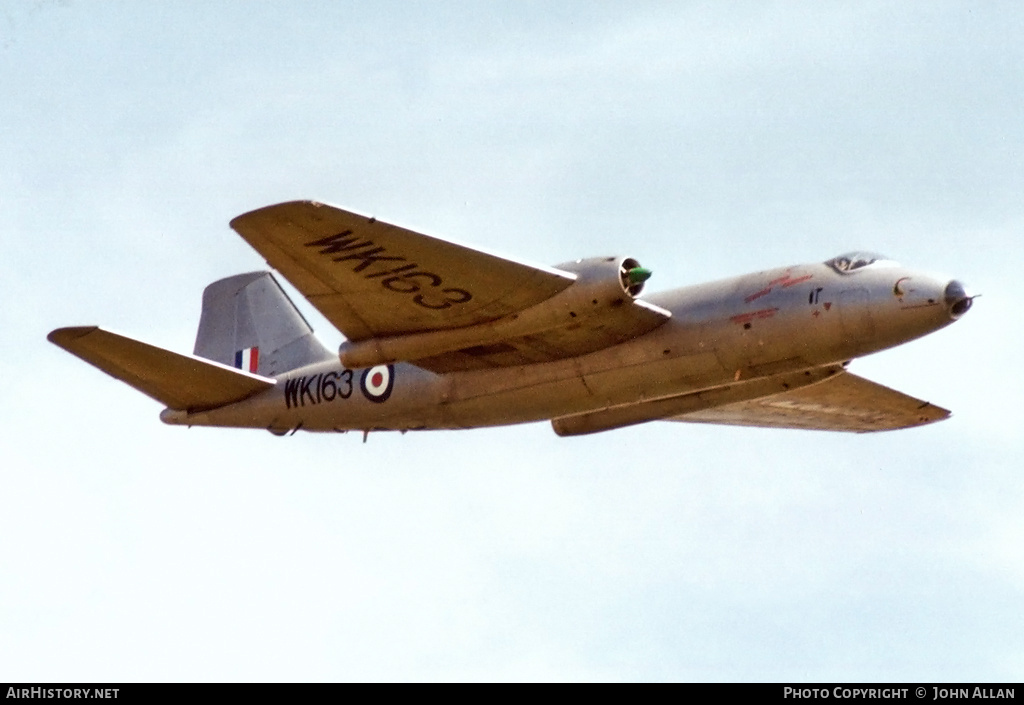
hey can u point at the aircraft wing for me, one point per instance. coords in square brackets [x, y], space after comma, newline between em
[181, 382]
[844, 402]
[375, 280]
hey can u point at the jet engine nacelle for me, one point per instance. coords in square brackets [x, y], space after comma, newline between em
[602, 286]
[602, 282]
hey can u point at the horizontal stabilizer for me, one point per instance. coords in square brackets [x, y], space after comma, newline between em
[845, 402]
[181, 382]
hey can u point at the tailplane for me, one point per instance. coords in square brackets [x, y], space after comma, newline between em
[181, 382]
[249, 323]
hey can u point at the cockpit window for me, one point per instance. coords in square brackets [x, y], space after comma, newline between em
[852, 261]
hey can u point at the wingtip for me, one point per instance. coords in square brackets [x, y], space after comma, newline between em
[62, 337]
[283, 207]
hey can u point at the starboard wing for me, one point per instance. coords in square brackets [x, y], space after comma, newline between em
[844, 402]
[370, 278]
[181, 382]
[373, 280]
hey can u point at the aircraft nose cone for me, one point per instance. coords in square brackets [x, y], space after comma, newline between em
[957, 299]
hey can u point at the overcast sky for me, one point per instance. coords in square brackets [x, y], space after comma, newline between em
[704, 139]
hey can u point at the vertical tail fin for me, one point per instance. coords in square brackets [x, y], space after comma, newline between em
[249, 322]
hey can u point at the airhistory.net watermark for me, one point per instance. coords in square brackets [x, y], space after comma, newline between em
[62, 693]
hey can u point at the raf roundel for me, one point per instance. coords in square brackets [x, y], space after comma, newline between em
[377, 382]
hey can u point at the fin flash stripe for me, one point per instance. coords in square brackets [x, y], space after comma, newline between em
[248, 359]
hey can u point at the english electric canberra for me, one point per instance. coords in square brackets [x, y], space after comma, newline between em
[443, 336]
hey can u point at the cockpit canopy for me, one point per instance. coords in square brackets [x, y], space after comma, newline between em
[852, 261]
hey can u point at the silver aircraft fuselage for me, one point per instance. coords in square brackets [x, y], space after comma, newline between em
[721, 335]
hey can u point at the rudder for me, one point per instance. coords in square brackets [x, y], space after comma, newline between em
[248, 322]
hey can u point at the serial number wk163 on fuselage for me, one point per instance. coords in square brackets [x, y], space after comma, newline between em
[375, 383]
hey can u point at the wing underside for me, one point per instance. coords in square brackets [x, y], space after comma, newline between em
[371, 278]
[844, 402]
[374, 280]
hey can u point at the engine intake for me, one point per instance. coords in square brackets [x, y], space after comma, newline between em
[604, 281]
[603, 286]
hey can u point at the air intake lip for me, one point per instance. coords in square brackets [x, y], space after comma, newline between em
[957, 299]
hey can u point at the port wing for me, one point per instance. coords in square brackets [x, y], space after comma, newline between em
[845, 402]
